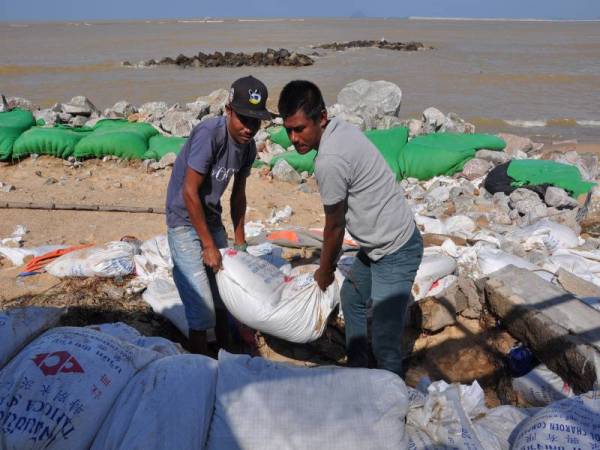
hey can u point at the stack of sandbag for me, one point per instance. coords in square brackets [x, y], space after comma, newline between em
[167, 405]
[260, 296]
[127, 140]
[112, 259]
[58, 390]
[12, 124]
[59, 141]
[265, 405]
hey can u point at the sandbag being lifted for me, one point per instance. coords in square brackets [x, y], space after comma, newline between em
[260, 296]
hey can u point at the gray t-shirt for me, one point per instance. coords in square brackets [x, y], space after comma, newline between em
[349, 167]
[210, 150]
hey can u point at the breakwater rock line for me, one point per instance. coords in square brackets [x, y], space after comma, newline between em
[271, 57]
[398, 46]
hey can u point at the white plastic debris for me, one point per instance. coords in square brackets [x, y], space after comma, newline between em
[253, 229]
[281, 215]
[109, 260]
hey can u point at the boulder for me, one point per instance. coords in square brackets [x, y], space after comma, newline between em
[454, 124]
[524, 200]
[78, 121]
[387, 122]
[20, 102]
[366, 98]
[433, 120]
[179, 123]
[493, 156]
[121, 109]
[476, 168]
[559, 198]
[415, 128]
[79, 106]
[200, 108]
[217, 101]
[284, 172]
[516, 145]
[153, 110]
[47, 115]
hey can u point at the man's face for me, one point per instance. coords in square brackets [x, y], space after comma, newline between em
[304, 132]
[241, 128]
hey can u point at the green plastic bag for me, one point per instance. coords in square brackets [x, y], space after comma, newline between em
[118, 138]
[279, 136]
[12, 125]
[390, 143]
[300, 163]
[160, 145]
[432, 155]
[537, 171]
[59, 141]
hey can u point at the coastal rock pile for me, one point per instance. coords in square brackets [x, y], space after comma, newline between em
[271, 57]
[399, 46]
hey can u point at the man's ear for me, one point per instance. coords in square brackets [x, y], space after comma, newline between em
[228, 110]
[323, 119]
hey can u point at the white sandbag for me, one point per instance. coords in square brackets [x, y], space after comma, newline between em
[109, 260]
[57, 391]
[541, 386]
[573, 423]
[17, 255]
[289, 307]
[154, 260]
[584, 268]
[163, 298]
[451, 417]
[266, 405]
[440, 286]
[129, 334]
[432, 268]
[167, 405]
[430, 225]
[489, 260]
[21, 325]
[552, 235]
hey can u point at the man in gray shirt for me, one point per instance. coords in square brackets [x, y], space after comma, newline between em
[359, 192]
[218, 149]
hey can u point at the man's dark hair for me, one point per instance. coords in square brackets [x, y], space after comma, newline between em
[301, 95]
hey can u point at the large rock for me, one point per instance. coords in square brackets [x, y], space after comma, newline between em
[20, 102]
[49, 117]
[559, 198]
[368, 98]
[217, 100]
[415, 128]
[201, 108]
[121, 109]
[79, 106]
[516, 145]
[433, 120]
[561, 330]
[454, 124]
[179, 123]
[284, 172]
[523, 200]
[153, 110]
[493, 156]
[476, 168]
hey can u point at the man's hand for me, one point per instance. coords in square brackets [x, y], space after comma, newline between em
[212, 258]
[324, 278]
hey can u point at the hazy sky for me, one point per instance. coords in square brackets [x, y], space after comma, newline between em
[148, 9]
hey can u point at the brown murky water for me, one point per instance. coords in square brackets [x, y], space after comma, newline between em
[533, 77]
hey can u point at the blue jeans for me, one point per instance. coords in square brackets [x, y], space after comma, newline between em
[386, 282]
[195, 282]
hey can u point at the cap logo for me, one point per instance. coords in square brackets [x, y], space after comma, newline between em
[255, 97]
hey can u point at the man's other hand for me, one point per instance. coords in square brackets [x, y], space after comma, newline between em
[324, 278]
[212, 258]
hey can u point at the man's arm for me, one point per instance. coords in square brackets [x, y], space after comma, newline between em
[191, 186]
[238, 208]
[333, 237]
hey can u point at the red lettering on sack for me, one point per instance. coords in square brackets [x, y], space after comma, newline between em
[53, 363]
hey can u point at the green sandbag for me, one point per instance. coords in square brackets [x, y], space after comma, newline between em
[389, 143]
[432, 155]
[59, 141]
[160, 145]
[279, 136]
[118, 138]
[537, 172]
[300, 163]
[12, 124]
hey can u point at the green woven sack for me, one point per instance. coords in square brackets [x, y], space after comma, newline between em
[390, 143]
[433, 155]
[12, 124]
[118, 138]
[160, 145]
[59, 141]
[300, 163]
[279, 136]
[538, 171]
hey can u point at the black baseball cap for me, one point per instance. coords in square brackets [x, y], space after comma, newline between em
[248, 97]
